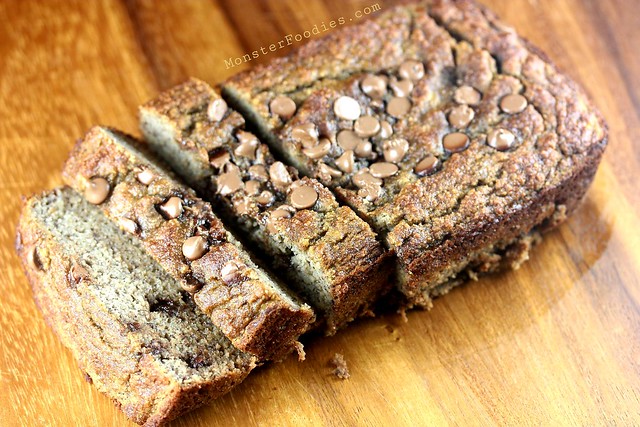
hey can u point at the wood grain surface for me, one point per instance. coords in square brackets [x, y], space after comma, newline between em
[555, 343]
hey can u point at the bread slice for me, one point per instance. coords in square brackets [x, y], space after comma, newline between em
[132, 329]
[326, 251]
[453, 137]
[253, 309]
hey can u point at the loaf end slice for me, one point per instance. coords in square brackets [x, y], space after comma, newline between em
[451, 135]
[327, 252]
[256, 312]
[132, 329]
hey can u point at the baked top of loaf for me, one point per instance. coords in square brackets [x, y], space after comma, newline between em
[328, 253]
[133, 330]
[442, 126]
[251, 307]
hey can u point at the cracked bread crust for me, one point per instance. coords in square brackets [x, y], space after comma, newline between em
[340, 247]
[478, 196]
[254, 315]
[113, 353]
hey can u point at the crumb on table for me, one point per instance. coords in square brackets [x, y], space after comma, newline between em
[341, 370]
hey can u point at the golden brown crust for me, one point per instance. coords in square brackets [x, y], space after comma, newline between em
[246, 311]
[478, 197]
[113, 360]
[341, 244]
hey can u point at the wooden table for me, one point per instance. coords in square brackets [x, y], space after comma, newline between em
[557, 342]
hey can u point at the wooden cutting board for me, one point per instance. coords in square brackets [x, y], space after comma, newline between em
[557, 342]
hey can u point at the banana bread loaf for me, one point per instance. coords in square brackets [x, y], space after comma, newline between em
[181, 232]
[327, 251]
[453, 137]
[132, 329]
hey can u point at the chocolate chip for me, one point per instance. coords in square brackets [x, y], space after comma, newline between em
[319, 151]
[427, 165]
[513, 104]
[171, 208]
[97, 190]
[383, 169]
[501, 139]
[285, 211]
[247, 149]
[282, 211]
[128, 225]
[364, 150]
[411, 70]
[370, 192]
[455, 142]
[194, 247]
[279, 175]
[401, 88]
[283, 106]
[242, 206]
[467, 95]
[345, 161]
[363, 177]
[395, 149]
[385, 129]
[348, 140]
[346, 108]
[219, 157]
[190, 284]
[231, 272]
[366, 126]
[259, 173]
[374, 86]
[217, 109]
[398, 107]
[304, 197]
[248, 145]
[461, 116]
[327, 173]
[266, 198]
[252, 187]
[243, 136]
[230, 181]
[145, 176]
[306, 134]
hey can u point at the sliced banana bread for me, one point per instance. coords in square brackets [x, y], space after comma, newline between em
[327, 252]
[453, 137]
[180, 231]
[133, 330]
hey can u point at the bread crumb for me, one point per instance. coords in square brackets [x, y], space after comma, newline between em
[403, 314]
[299, 347]
[341, 370]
